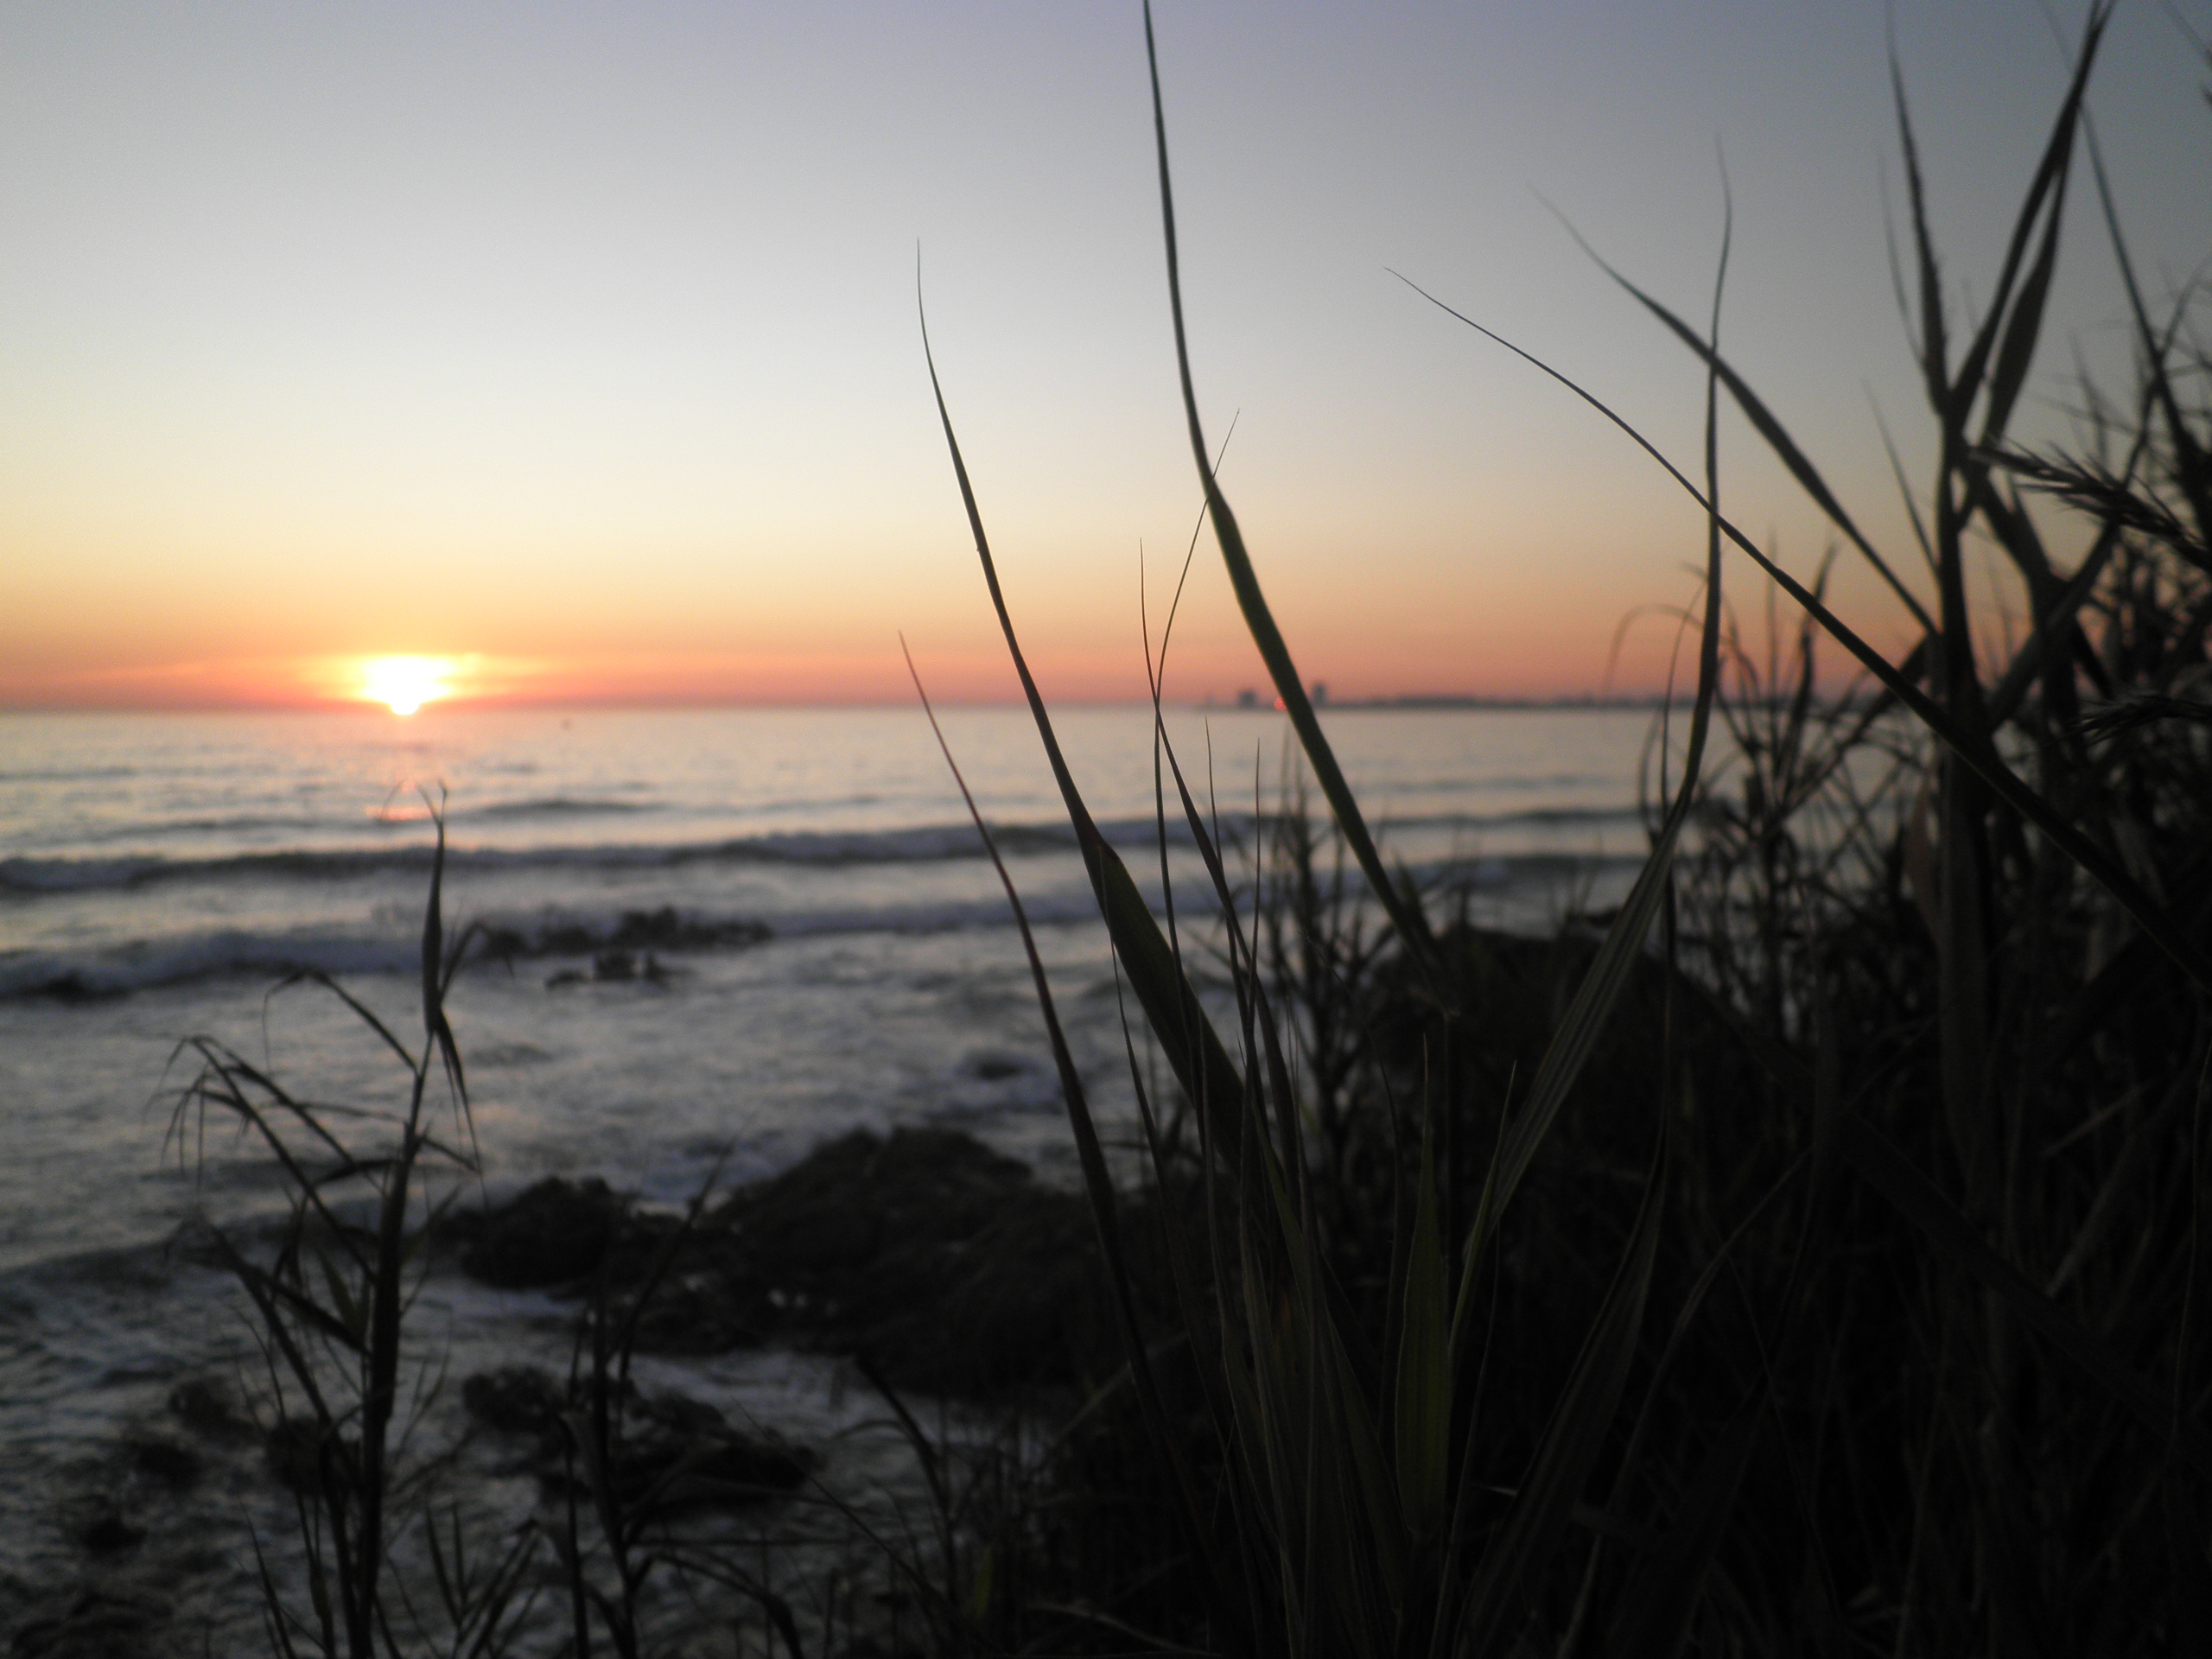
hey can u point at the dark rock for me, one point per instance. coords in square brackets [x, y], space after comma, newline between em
[996, 1068]
[616, 967]
[626, 952]
[941, 1263]
[704, 1313]
[109, 1534]
[70, 987]
[568, 939]
[931, 1183]
[679, 1453]
[937, 1260]
[208, 1406]
[806, 1241]
[553, 1233]
[175, 1465]
[664, 930]
[515, 1399]
[667, 1451]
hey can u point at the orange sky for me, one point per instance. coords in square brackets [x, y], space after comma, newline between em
[576, 347]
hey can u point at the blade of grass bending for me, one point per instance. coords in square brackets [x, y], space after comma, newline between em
[1156, 679]
[2057, 621]
[1404, 912]
[1201, 1065]
[1092, 1157]
[269, 1292]
[1571, 1439]
[2101, 866]
[2049, 185]
[218, 1083]
[317, 977]
[1585, 1022]
[439, 1032]
[2192, 474]
[2017, 350]
[1935, 351]
[1764, 421]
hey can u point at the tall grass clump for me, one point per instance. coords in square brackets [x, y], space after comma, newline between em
[1812, 1263]
[1341, 1497]
[395, 1553]
[330, 1304]
[1973, 909]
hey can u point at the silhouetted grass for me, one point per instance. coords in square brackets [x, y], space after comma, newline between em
[1898, 1135]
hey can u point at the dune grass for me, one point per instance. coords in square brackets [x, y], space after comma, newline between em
[1895, 1343]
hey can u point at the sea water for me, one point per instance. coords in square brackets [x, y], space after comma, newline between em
[829, 948]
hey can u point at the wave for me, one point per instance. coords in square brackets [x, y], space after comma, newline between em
[494, 945]
[552, 806]
[232, 823]
[28, 876]
[625, 943]
[74, 977]
[25, 878]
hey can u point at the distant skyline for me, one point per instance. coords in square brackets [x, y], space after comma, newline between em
[573, 347]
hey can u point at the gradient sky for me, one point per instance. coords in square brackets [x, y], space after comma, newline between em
[577, 343]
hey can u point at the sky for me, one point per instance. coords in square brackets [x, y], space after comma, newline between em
[575, 347]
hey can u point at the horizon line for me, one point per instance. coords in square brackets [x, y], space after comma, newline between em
[1242, 701]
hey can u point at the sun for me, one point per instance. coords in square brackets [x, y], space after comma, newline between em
[404, 683]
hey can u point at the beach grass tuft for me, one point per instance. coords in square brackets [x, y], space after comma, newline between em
[1882, 1214]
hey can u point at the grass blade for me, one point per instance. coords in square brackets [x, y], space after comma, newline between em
[1424, 1377]
[1098, 1183]
[1767, 426]
[1404, 912]
[1201, 1065]
[1594, 999]
[2100, 865]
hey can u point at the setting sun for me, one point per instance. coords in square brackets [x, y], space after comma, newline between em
[404, 683]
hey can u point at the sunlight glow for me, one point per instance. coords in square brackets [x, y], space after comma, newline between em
[404, 683]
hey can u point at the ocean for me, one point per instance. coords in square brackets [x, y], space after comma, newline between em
[723, 937]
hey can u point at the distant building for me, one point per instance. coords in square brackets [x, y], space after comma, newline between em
[1247, 698]
[1319, 695]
